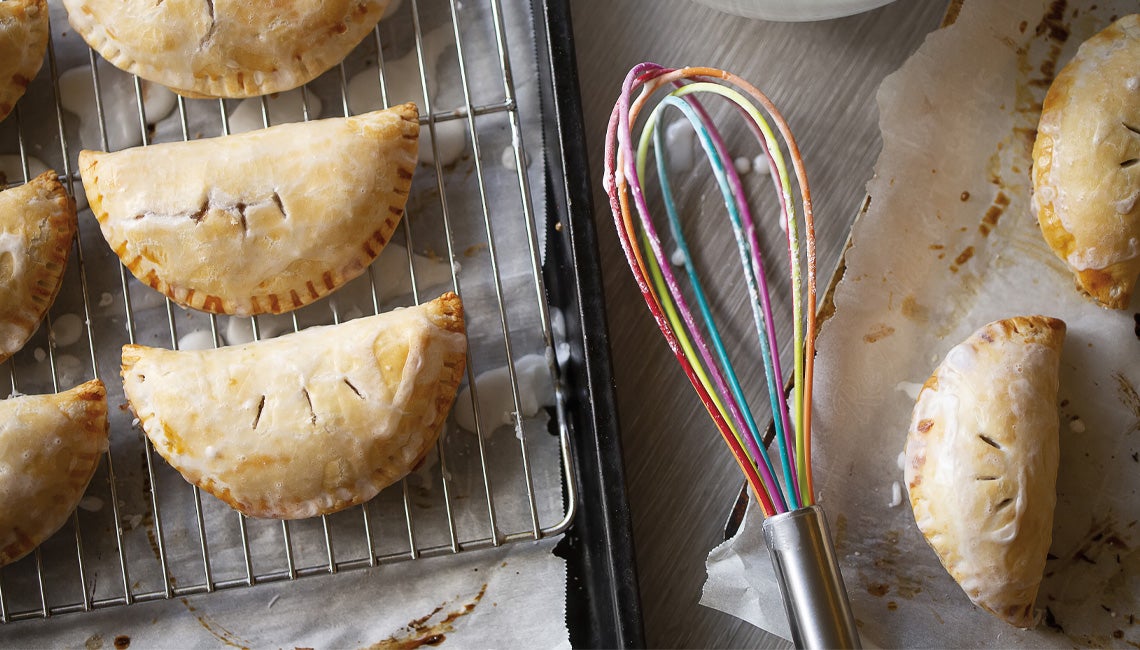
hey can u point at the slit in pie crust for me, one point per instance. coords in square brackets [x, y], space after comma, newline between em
[50, 446]
[308, 423]
[981, 462]
[37, 222]
[224, 48]
[261, 222]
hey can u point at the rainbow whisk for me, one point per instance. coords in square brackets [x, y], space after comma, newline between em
[794, 527]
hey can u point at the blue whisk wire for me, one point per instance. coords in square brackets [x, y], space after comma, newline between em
[711, 371]
[736, 204]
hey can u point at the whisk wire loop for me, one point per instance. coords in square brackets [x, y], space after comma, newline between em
[715, 380]
[771, 149]
[783, 199]
[737, 421]
[786, 202]
[795, 529]
[619, 204]
[741, 218]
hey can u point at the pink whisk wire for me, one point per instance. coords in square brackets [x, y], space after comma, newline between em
[663, 295]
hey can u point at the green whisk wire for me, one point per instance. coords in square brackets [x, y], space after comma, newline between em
[733, 204]
[711, 371]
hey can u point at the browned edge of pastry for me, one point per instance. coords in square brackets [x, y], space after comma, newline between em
[1099, 284]
[93, 425]
[1045, 330]
[1034, 329]
[36, 13]
[238, 84]
[94, 393]
[1104, 286]
[61, 226]
[448, 314]
[407, 130]
[445, 312]
[449, 317]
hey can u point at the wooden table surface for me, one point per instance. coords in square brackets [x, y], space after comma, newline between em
[823, 76]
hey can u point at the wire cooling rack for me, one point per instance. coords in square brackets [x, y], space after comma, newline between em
[142, 533]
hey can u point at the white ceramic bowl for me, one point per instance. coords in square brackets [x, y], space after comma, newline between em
[794, 10]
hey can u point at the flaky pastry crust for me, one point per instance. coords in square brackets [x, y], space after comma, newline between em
[24, 34]
[981, 462]
[50, 446]
[308, 423]
[37, 223]
[261, 222]
[1086, 176]
[224, 48]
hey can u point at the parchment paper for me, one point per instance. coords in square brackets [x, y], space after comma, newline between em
[474, 600]
[949, 243]
[354, 607]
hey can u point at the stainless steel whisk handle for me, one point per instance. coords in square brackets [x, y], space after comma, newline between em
[819, 613]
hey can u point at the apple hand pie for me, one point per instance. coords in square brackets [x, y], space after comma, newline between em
[981, 462]
[308, 423]
[1086, 179]
[224, 48]
[24, 37]
[37, 222]
[264, 221]
[50, 446]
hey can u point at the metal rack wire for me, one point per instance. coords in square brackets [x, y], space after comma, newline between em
[106, 564]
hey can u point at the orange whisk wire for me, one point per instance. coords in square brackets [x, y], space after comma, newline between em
[708, 368]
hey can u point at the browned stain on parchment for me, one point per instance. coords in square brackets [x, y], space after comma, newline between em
[878, 332]
[222, 634]
[963, 257]
[421, 631]
[213, 627]
[878, 589]
[993, 213]
[1053, 22]
[1004, 169]
[888, 563]
[840, 532]
[1129, 398]
[890, 574]
[914, 311]
[1104, 544]
[1056, 30]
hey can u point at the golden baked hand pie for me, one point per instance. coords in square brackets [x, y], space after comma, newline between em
[24, 34]
[37, 222]
[307, 423]
[224, 48]
[981, 462]
[50, 446]
[264, 221]
[1086, 176]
